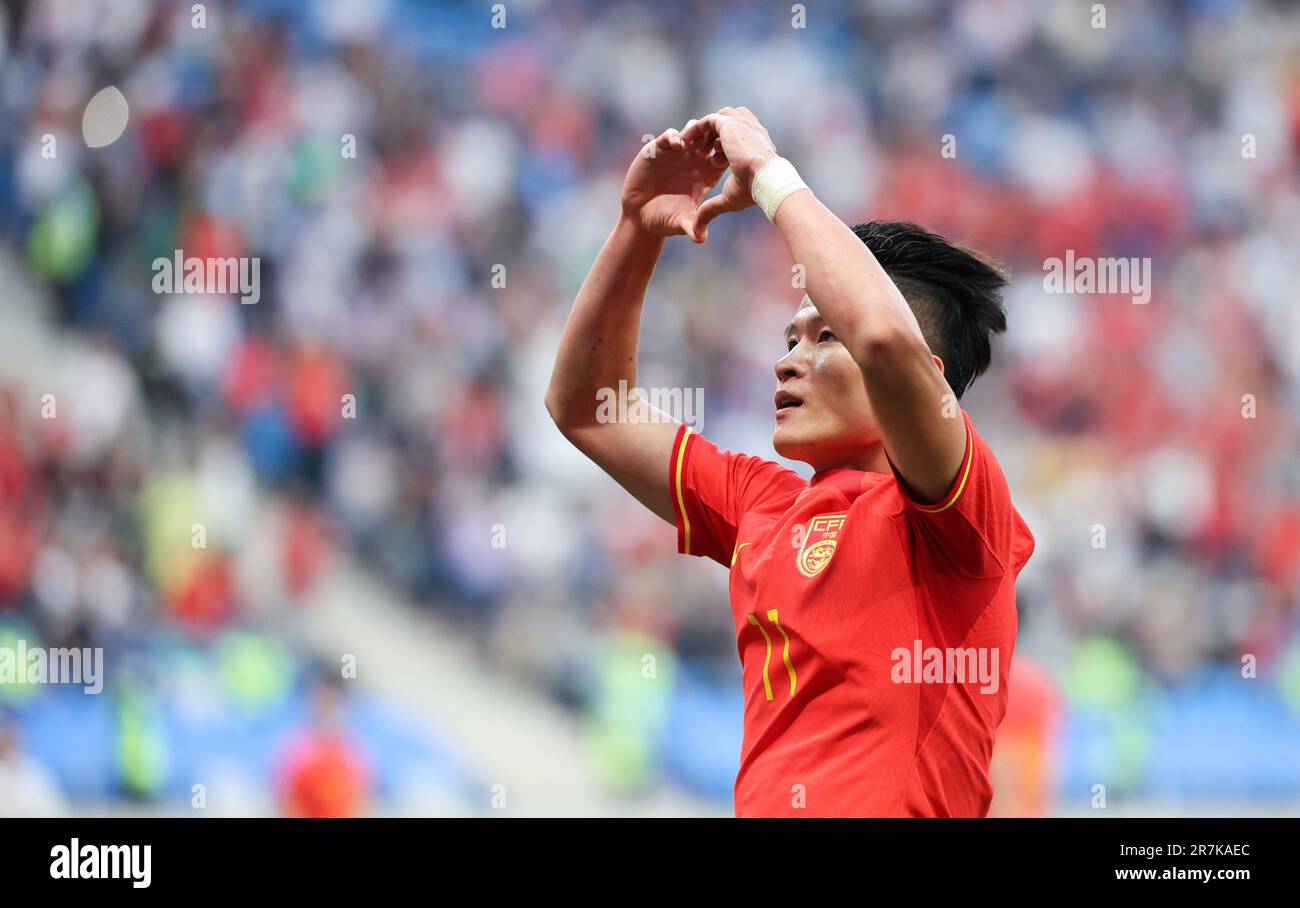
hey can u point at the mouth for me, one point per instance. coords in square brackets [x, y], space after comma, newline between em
[785, 402]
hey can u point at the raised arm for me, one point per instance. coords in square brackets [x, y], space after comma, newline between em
[598, 348]
[921, 428]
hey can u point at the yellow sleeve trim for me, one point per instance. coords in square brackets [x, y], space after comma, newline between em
[961, 485]
[681, 501]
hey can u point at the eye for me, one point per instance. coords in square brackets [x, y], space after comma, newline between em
[826, 335]
[789, 344]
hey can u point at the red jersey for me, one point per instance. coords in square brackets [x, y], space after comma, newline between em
[875, 632]
[323, 776]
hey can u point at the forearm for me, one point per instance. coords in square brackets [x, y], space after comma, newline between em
[865, 310]
[853, 293]
[599, 344]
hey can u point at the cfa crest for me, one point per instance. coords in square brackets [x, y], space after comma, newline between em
[819, 545]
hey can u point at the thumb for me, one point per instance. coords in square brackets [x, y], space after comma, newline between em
[694, 227]
[727, 200]
[710, 208]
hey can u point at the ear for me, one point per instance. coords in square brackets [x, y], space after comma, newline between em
[937, 362]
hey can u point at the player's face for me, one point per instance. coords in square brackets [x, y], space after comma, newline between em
[823, 416]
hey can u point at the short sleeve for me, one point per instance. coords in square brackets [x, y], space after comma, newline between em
[713, 489]
[975, 528]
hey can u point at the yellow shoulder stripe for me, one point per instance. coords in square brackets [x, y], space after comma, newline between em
[681, 501]
[961, 485]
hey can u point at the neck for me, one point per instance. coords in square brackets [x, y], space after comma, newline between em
[870, 460]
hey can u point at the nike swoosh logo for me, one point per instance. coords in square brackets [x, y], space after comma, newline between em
[736, 553]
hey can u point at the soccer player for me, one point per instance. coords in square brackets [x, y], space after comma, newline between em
[874, 605]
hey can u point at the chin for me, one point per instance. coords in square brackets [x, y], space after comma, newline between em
[790, 445]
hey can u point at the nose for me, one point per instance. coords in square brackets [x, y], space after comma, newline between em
[792, 365]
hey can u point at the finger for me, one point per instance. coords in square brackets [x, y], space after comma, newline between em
[724, 201]
[670, 138]
[709, 209]
[697, 130]
[697, 139]
[698, 231]
[693, 227]
[747, 113]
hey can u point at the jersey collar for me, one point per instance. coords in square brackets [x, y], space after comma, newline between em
[849, 482]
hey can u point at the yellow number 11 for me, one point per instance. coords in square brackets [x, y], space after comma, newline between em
[785, 653]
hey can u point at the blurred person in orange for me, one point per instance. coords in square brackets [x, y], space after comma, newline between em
[322, 772]
[1023, 767]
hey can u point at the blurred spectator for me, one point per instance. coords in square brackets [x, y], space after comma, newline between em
[321, 772]
[1023, 770]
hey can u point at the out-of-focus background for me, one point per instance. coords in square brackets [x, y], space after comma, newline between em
[336, 556]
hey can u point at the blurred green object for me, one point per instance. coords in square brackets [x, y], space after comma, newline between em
[631, 710]
[19, 691]
[1103, 672]
[143, 754]
[1131, 745]
[1288, 676]
[157, 232]
[1104, 678]
[167, 508]
[63, 238]
[256, 670]
[317, 164]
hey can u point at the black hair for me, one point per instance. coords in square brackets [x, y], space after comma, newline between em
[955, 293]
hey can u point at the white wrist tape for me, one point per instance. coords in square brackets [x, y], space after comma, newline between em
[774, 181]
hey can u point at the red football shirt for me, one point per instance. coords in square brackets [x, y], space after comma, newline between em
[875, 633]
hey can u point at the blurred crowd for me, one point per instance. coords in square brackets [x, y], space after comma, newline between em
[425, 193]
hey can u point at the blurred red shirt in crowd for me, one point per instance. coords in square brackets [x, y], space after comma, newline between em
[321, 773]
[1021, 769]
